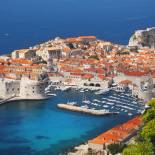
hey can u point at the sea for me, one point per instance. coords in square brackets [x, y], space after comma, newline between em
[39, 127]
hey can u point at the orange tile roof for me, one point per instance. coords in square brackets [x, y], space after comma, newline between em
[118, 133]
[102, 77]
[66, 49]
[21, 61]
[2, 60]
[134, 73]
[125, 82]
[87, 76]
[87, 37]
[72, 40]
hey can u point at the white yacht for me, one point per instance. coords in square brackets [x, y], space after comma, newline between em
[84, 106]
[105, 106]
[71, 103]
[82, 91]
[86, 101]
[110, 103]
[96, 100]
[50, 94]
[130, 114]
[102, 92]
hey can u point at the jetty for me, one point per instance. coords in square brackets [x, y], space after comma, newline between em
[85, 110]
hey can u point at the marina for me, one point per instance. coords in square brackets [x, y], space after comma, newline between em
[113, 102]
[23, 117]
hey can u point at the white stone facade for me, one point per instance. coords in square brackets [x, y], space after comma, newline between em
[24, 54]
[23, 89]
[144, 93]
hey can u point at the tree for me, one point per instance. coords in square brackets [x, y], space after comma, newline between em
[142, 148]
[148, 131]
[149, 115]
[152, 103]
[115, 148]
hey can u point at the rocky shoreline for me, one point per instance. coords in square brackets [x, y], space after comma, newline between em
[79, 150]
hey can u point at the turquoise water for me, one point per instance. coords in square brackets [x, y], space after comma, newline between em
[24, 23]
[40, 128]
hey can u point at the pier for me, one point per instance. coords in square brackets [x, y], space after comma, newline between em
[85, 110]
[6, 100]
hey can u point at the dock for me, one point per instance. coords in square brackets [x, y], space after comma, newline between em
[85, 110]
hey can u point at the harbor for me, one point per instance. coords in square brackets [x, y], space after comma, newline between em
[23, 116]
[111, 102]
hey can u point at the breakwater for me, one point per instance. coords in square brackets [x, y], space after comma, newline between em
[85, 110]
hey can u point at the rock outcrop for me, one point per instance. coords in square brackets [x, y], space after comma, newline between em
[143, 38]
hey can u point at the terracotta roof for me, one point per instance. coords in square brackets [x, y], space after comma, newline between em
[87, 37]
[87, 76]
[21, 61]
[118, 133]
[125, 82]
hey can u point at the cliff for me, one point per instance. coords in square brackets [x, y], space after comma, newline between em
[143, 38]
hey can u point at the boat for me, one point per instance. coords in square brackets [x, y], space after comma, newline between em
[130, 114]
[85, 106]
[147, 106]
[109, 103]
[71, 103]
[102, 92]
[95, 104]
[105, 106]
[47, 92]
[103, 101]
[48, 88]
[142, 112]
[86, 101]
[64, 88]
[50, 94]
[96, 100]
[82, 91]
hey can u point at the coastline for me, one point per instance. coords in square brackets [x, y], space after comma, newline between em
[123, 133]
[81, 149]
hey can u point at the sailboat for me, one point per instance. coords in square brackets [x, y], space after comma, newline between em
[85, 100]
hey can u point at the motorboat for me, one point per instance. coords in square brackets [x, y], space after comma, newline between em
[130, 114]
[96, 100]
[71, 103]
[50, 94]
[86, 101]
[105, 106]
[102, 92]
[85, 106]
